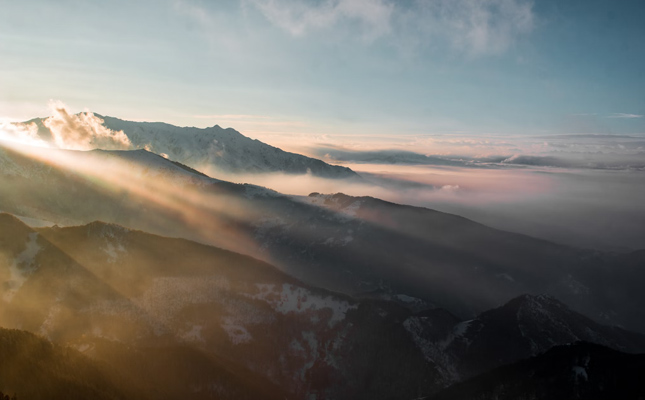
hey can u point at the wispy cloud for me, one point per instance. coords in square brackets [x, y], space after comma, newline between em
[302, 17]
[194, 11]
[624, 115]
[475, 27]
[83, 131]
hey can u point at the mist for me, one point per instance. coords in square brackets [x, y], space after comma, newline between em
[599, 209]
[581, 190]
[66, 130]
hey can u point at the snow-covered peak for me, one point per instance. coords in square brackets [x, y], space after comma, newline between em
[214, 149]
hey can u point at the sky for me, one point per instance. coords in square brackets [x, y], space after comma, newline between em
[285, 68]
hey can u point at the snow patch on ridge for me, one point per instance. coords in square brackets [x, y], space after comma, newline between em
[293, 299]
[113, 252]
[113, 237]
[237, 334]
[194, 334]
[461, 328]
[580, 373]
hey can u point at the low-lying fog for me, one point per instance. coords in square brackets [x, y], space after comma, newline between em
[581, 190]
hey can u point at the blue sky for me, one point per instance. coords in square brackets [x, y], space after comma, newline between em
[333, 66]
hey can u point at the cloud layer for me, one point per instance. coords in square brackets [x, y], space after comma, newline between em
[583, 151]
[625, 115]
[474, 27]
[587, 208]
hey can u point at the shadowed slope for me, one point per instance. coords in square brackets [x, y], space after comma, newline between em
[34, 369]
[525, 326]
[236, 308]
[580, 371]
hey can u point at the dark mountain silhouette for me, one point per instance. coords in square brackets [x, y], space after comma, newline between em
[579, 371]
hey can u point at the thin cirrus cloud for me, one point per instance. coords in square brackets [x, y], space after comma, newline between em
[482, 27]
[299, 18]
[473, 27]
[625, 115]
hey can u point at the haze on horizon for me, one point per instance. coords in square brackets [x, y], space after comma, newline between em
[555, 189]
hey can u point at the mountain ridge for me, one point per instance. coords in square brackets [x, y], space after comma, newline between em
[194, 302]
[342, 243]
[214, 149]
[523, 327]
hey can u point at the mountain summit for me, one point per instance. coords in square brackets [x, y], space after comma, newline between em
[212, 150]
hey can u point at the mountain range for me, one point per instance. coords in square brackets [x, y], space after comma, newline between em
[346, 244]
[576, 371]
[162, 282]
[131, 299]
[212, 150]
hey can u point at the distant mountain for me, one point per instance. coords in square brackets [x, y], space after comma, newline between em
[524, 327]
[215, 149]
[342, 243]
[580, 371]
